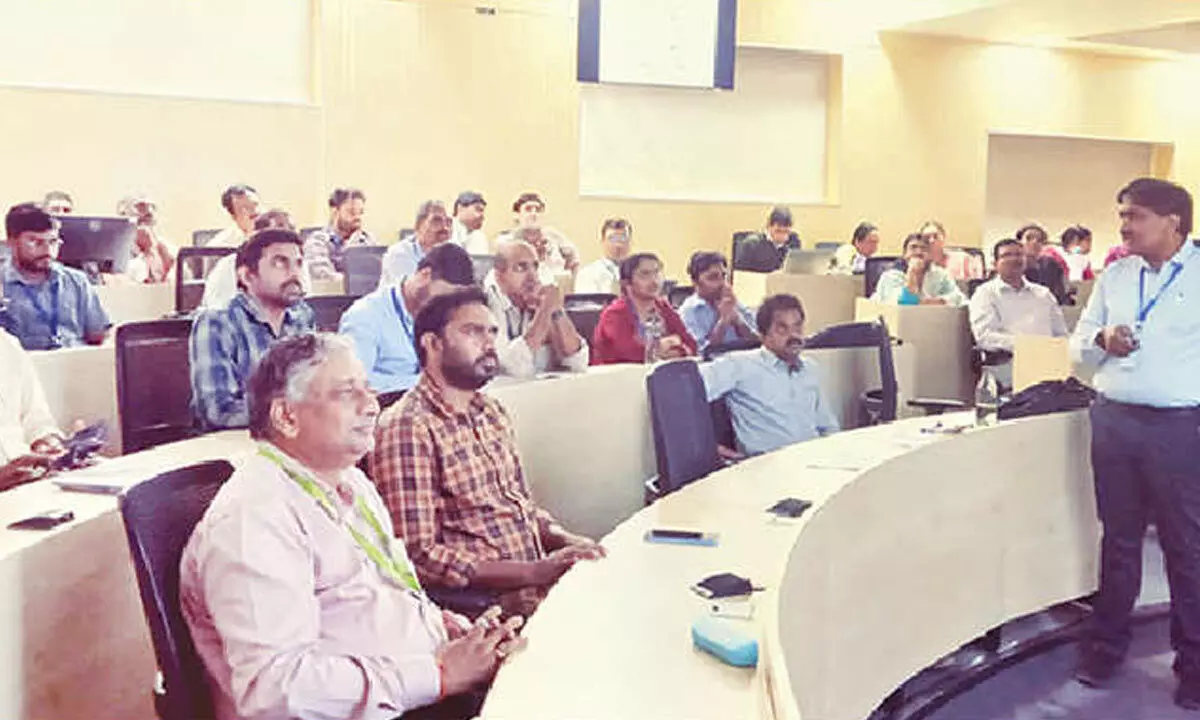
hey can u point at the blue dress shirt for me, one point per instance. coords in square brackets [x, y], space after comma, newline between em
[1162, 372]
[700, 318]
[772, 405]
[400, 261]
[59, 312]
[382, 330]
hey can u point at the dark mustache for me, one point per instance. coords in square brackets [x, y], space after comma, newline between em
[489, 355]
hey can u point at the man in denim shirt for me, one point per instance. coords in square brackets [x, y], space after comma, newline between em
[46, 305]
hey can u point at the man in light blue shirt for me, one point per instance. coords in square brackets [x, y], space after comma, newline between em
[382, 323]
[712, 313]
[774, 395]
[918, 280]
[432, 229]
[1141, 331]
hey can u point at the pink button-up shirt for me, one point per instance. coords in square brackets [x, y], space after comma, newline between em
[290, 616]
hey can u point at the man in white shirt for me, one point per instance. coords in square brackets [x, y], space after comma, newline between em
[604, 275]
[29, 437]
[241, 202]
[1009, 305]
[536, 334]
[299, 600]
[852, 258]
[432, 229]
[467, 229]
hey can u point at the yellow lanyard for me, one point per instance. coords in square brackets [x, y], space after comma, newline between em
[385, 559]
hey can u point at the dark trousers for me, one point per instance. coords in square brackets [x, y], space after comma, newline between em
[458, 707]
[1147, 467]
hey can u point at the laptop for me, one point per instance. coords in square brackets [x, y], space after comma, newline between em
[808, 262]
[96, 244]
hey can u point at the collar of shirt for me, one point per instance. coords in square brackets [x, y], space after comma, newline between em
[1005, 287]
[1179, 258]
[251, 307]
[12, 274]
[343, 493]
[775, 362]
[432, 393]
[514, 317]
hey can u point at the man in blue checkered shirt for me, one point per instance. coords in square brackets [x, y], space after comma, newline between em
[227, 343]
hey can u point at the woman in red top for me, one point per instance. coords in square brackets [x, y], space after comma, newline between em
[639, 315]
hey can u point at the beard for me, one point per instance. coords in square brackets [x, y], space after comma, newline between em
[466, 374]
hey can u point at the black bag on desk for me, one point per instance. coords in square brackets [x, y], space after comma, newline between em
[1051, 396]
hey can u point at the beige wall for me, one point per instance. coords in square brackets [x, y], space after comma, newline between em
[424, 98]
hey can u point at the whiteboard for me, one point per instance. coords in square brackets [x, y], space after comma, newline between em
[658, 42]
[249, 50]
[763, 142]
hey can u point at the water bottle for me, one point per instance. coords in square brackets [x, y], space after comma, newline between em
[987, 399]
[654, 331]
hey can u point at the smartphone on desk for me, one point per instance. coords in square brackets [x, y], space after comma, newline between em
[681, 537]
[43, 521]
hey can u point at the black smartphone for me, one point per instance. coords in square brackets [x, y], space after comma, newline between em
[43, 521]
[681, 537]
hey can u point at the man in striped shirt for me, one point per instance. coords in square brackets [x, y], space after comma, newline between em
[447, 467]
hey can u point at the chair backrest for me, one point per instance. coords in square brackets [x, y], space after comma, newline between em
[584, 310]
[159, 516]
[677, 294]
[403, 233]
[876, 266]
[828, 245]
[590, 300]
[865, 334]
[153, 383]
[192, 266]
[716, 350]
[684, 442]
[200, 238]
[737, 259]
[363, 266]
[329, 309]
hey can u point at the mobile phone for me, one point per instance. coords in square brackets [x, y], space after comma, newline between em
[681, 537]
[43, 521]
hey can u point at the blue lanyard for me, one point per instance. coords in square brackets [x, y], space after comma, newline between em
[408, 329]
[51, 317]
[1144, 307]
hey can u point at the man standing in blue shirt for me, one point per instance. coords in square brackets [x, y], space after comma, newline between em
[712, 313]
[381, 323]
[1141, 331]
[774, 394]
[227, 343]
[45, 304]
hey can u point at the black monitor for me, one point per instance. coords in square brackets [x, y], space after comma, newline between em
[96, 244]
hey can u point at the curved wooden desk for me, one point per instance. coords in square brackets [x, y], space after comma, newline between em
[916, 543]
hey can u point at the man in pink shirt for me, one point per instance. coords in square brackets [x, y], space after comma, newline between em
[300, 603]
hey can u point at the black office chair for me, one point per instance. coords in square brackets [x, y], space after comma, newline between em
[192, 266]
[329, 309]
[200, 238]
[600, 300]
[405, 233]
[363, 265]
[877, 405]
[876, 266]
[716, 350]
[154, 388]
[684, 442]
[159, 516]
[388, 399]
[584, 309]
[827, 245]
[678, 293]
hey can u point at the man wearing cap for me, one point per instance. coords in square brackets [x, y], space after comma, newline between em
[467, 229]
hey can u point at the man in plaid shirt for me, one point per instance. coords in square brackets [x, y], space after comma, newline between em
[226, 344]
[447, 467]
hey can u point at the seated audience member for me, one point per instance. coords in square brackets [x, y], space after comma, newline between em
[556, 254]
[640, 326]
[381, 323]
[852, 258]
[227, 343]
[47, 305]
[1042, 267]
[774, 394]
[712, 314]
[1009, 305]
[221, 283]
[401, 259]
[1076, 253]
[917, 280]
[29, 437]
[766, 252]
[299, 603]
[536, 334]
[604, 275]
[961, 265]
[468, 524]
[241, 202]
[325, 250]
[467, 229]
[153, 257]
[57, 202]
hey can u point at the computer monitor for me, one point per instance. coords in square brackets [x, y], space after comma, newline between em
[808, 262]
[96, 244]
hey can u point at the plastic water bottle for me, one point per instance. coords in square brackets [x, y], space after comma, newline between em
[987, 399]
[654, 331]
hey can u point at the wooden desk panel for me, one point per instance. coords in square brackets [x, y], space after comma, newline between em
[828, 299]
[137, 303]
[942, 343]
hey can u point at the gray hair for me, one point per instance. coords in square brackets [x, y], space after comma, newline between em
[286, 372]
[425, 209]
